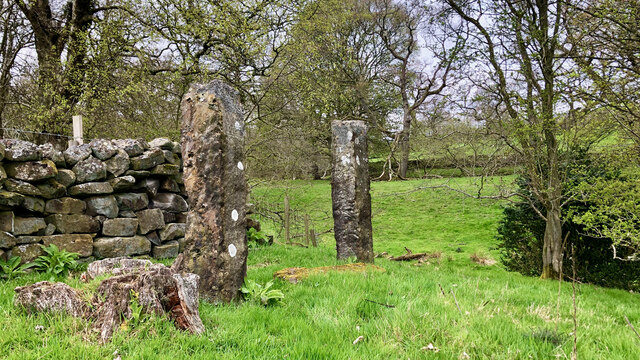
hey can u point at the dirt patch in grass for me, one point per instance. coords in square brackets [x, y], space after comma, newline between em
[293, 275]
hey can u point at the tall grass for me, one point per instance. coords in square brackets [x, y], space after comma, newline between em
[502, 315]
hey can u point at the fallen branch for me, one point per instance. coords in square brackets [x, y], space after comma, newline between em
[408, 257]
[631, 326]
[381, 304]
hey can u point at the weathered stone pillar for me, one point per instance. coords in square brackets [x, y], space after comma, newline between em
[213, 156]
[350, 190]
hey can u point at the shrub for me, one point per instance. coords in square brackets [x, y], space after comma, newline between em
[256, 238]
[255, 292]
[12, 268]
[56, 262]
[521, 233]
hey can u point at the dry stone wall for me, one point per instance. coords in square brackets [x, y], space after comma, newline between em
[104, 199]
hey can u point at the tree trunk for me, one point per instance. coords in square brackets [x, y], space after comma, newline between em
[404, 146]
[552, 246]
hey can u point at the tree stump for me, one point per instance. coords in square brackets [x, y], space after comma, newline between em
[350, 191]
[213, 155]
[157, 289]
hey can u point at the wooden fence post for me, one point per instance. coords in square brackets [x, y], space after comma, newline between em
[287, 219]
[77, 131]
[306, 229]
[313, 238]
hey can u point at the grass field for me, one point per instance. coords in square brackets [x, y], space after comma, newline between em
[502, 315]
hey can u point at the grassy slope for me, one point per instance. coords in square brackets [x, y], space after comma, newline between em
[504, 315]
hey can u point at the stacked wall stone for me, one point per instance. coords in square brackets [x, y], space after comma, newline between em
[104, 199]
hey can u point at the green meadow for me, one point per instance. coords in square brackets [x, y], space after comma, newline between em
[448, 307]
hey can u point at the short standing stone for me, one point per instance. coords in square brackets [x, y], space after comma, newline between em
[103, 149]
[102, 205]
[169, 202]
[92, 188]
[167, 250]
[149, 220]
[90, 169]
[132, 147]
[28, 226]
[122, 183]
[22, 187]
[7, 240]
[19, 150]
[75, 243]
[77, 153]
[65, 205]
[33, 204]
[51, 189]
[147, 160]
[162, 143]
[132, 201]
[172, 231]
[74, 223]
[118, 164]
[27, 252]
[350, 191]
[120, 227]
[31, 170]
[6, 221]
[8, 198]
[51, 153]
[66, 177]
[106, 247]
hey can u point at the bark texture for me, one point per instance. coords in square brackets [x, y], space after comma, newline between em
[155, 287]
[213, 155]
[350, 191]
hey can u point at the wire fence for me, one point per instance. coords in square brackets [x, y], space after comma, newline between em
[293, 226]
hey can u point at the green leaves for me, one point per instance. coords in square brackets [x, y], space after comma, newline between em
[12, 268]
[56, 262]
[252, 291]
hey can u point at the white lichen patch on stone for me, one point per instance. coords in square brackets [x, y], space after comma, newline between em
[358, 160]
[232, 250]
[345, 160]
[234, 215]
[349, 135]
[238, 126]
[240, 166]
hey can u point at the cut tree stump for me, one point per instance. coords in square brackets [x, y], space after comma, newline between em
[293, 275]
[157, 288]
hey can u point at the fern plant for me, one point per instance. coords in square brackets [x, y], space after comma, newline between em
[56, 262]
[12, 268]
[256, 238]
[262, 294]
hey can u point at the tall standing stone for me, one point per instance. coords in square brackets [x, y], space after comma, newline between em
[213, 156]
[350, 191]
